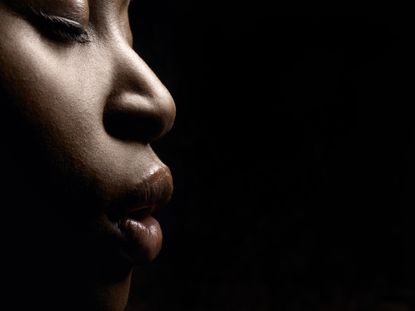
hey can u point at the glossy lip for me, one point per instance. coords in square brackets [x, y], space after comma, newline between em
[132, 215]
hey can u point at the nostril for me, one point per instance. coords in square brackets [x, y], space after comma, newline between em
[124, 127]
[141, 120]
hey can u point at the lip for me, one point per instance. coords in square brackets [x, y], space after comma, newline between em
[132, 215]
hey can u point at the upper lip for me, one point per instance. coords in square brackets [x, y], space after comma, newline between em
[146, 197]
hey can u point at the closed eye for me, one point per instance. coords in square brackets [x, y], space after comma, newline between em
[63, 28]
[60, 28]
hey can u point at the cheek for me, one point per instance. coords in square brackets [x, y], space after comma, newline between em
[55, 85]
[60, 91]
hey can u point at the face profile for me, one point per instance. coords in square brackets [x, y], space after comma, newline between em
[82, 184]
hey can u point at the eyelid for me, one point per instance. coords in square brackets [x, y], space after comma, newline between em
[71, 28]
[61, 20]
[63, 28]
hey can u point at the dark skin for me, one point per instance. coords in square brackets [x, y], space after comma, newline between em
[79, 111]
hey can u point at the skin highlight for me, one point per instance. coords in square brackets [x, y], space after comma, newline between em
[79, 111]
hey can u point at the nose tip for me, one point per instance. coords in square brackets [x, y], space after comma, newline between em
[139, 106]
[140, 117]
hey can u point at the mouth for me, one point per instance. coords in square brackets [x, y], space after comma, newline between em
[133, 215]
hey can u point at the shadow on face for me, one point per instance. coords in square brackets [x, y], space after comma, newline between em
[81, 182]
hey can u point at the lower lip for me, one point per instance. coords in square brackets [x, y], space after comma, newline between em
[144, 238]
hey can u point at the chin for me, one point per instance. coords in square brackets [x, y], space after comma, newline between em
[110, 297]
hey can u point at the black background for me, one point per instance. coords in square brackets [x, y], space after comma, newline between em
[292, 154]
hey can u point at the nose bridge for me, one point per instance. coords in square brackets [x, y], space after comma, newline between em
[139, 106]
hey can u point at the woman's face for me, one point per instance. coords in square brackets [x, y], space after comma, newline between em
[79, 109]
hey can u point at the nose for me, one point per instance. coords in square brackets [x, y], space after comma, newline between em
[139, 107]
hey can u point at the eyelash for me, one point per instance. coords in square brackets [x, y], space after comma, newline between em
[61, 28]
[66, 29]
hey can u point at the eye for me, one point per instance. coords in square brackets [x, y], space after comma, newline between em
[57, 28]
[61, 28]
